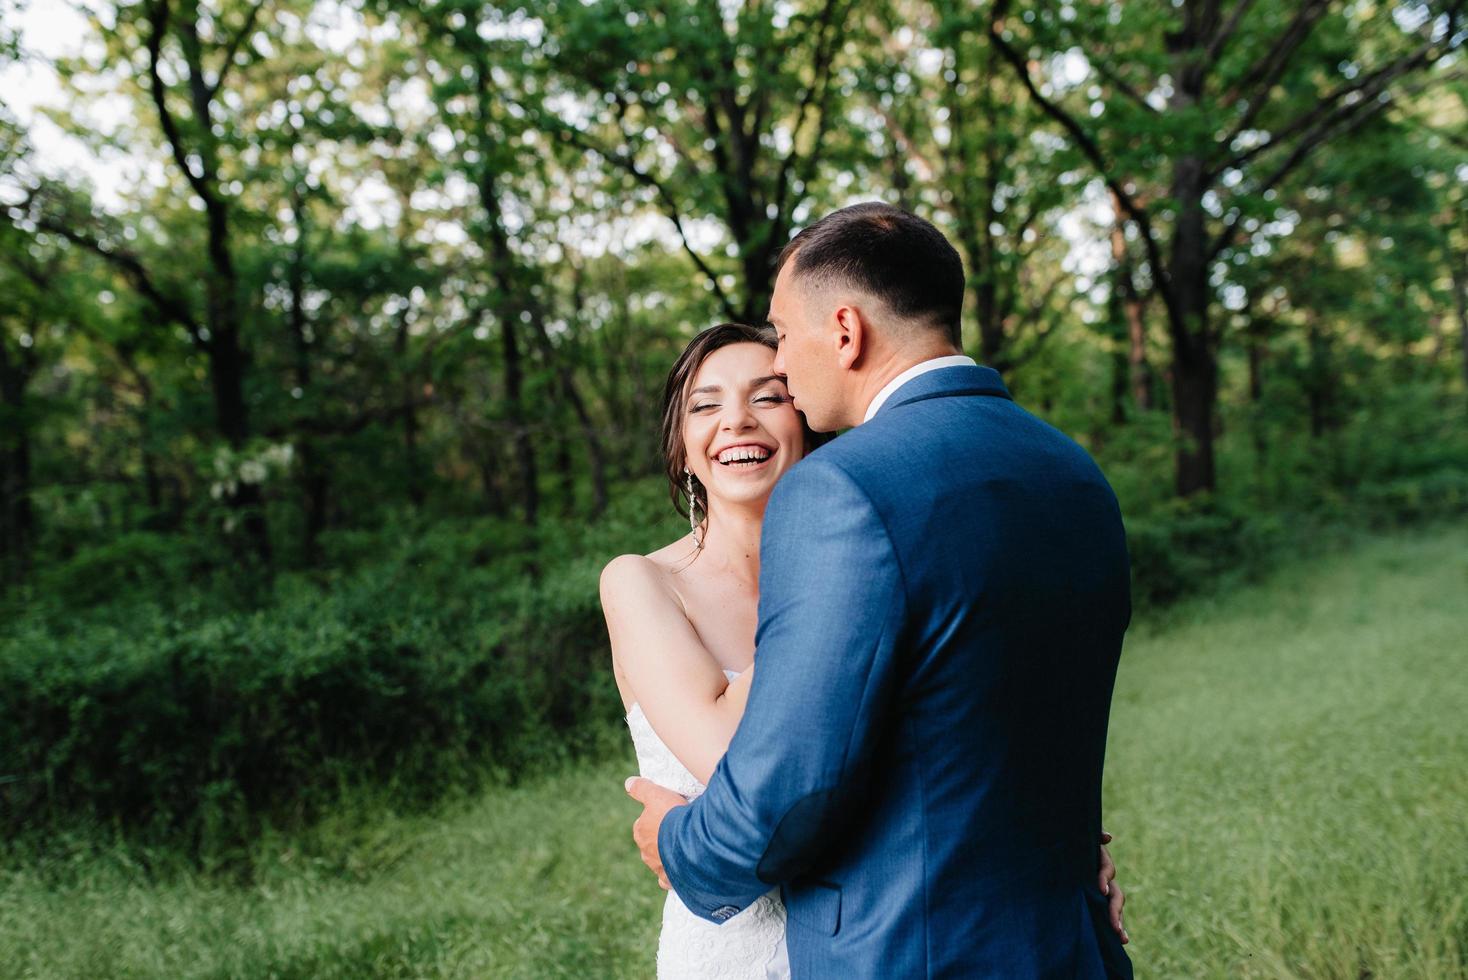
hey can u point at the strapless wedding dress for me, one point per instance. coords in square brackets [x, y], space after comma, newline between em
[749, 946]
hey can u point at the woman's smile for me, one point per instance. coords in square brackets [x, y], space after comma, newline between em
[745, 456]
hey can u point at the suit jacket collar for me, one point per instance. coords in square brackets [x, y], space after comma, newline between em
[947, 382]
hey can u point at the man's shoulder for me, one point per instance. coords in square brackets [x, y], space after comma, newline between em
[908, 447]
[888, 444]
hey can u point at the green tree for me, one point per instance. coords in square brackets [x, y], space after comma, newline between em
[723, 118]
[1214, 110]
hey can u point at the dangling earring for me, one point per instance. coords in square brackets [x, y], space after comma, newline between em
[692, 502]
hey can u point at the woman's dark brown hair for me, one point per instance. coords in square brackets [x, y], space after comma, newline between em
[675, 397]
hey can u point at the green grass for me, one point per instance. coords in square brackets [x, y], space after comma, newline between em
[540, 881]
[1287, 780]
[1288, 772]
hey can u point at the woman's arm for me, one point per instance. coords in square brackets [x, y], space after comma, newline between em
[691, 705]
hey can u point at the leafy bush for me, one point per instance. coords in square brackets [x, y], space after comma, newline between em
[432, 657]
[136, 563]
[1185, 547]
[445, 663]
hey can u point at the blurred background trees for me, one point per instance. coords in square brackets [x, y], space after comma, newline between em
[372, 300]
[445, 249]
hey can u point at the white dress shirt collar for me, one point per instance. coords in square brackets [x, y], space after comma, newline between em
[922, 367]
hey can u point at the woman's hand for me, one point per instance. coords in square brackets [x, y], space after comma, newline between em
[1111, 889]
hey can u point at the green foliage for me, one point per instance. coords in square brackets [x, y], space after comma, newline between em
[1192, 545]
[435, 656]
[464, 243]
[135, 565]
[1203, 543]
[446, 659]
[1285, 776]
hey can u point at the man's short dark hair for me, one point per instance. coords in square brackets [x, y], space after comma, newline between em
[889, 253]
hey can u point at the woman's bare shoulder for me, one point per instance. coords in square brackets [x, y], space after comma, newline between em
[647, 577]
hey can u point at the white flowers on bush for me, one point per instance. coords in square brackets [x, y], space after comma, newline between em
[252, 466]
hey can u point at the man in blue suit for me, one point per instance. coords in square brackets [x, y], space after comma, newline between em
[943, 593]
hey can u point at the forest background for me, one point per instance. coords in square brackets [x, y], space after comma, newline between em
[332, 341]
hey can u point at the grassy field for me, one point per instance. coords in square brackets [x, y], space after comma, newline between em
[1287, 780]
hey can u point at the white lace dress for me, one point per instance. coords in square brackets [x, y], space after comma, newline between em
[749, 946]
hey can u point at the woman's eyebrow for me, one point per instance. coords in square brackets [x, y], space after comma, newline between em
[757, 382]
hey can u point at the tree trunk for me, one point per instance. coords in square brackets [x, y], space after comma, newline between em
[520, 302]
[151, 485]
[974, 177]
[314, 477]
[1125, 287]
[199, 164]
[1120, 377]
[1194, 366]
[757, 264]
[227, 375]
[152, 480]
[565, 473]
[1116, 331]
[227, 363]
[503, 273]
[489, 484]
[406, 394]
[519, 432]
[1460, 302]
[1194, 391]
[1320, 379]
[1255, 350]
[17, 516]
[1254, 340]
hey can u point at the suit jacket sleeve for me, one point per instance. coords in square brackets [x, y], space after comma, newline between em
[831, 610]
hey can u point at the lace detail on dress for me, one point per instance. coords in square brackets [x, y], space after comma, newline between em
[751, 945]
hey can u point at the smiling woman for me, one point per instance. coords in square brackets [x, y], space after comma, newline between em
[682, 619]
[696, 398]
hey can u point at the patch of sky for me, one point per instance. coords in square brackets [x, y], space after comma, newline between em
[1410, 17]
[1084, 229]
[1235, 297]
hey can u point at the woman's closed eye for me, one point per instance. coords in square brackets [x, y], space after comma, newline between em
[767, 399]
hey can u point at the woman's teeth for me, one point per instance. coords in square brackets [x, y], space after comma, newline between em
[748, 456]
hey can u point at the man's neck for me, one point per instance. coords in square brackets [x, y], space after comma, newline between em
[889, 366]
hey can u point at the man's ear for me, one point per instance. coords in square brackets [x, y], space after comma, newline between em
[850, 336]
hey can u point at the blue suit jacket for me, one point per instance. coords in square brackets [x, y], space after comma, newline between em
[943, 593]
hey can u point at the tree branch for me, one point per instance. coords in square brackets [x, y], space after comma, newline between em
[234, 47]
[1265, 71]
[1121, 84]
[125, 262]
[1331, 129]
[1226, 33]
[1084, 142]
[1329, 109]
[158, 23]
[827, 31]
[669, 205]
